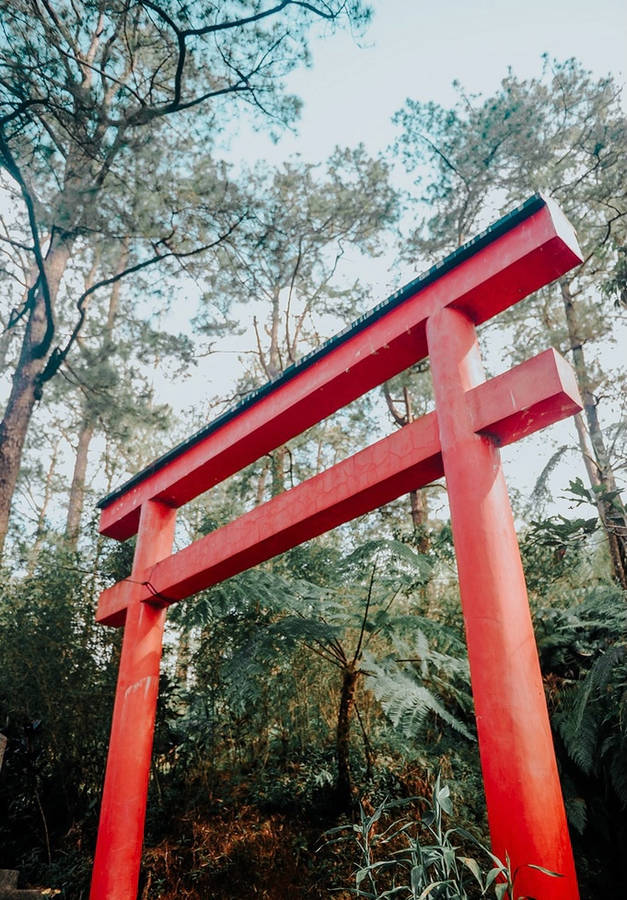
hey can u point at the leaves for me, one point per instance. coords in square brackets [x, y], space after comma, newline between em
[406, 702]
[428, 863]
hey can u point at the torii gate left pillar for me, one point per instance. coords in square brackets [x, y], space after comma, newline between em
[435, 315]
[126, 780]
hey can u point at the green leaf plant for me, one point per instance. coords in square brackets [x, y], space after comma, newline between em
[414, 859]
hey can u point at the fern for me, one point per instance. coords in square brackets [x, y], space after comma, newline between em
[576, 813]
[592, 721]
[406, 702]
[296, 629]
[578, 725]
[541, 493]
[393, 558]
[569, 640]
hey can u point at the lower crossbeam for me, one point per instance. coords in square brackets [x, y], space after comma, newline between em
[529, 397]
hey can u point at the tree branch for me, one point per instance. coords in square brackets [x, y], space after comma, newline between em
[59, 354]
[39, 350]
[398, 418]
[365, 618]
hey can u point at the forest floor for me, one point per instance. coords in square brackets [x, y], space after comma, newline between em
[246, 853]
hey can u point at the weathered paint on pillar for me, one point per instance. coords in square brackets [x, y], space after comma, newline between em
[120, 834]
[523, 794]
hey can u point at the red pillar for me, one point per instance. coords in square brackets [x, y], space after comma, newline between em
[120, 834]
[523, 795]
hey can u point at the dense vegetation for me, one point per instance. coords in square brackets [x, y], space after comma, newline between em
[315, 727]
[247, 776]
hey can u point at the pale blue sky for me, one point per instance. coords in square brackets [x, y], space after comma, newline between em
[417, 48]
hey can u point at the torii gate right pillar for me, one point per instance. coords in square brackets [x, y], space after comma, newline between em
[524, 801]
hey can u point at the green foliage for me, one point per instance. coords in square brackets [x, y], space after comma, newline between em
[252, 722]
[584, 658]
[254, 668]
[571, 637]
[406, 700]
[534, 134]
[419, 859]
[561, 133]
[553, 547]
[591, 719]
[258, 697]
[56, 685]
[616, 285]
[579, 493]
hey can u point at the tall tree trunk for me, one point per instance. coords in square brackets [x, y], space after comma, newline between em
[368, 753]
[261, 484]
[417, 499]
[617, 558]
[76, 500]
[418, 508]
[183, 659]
[347, 704]
[278, 470]
[77, 489]
[419, 515]
[23, 396]
[612, 514]
[41, 519]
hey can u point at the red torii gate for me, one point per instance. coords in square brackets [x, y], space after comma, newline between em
[436, 315]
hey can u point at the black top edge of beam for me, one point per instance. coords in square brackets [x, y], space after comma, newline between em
[494, 231]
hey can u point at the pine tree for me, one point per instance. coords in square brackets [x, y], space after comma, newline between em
[85, 90]
[302, 220]
[563, 133]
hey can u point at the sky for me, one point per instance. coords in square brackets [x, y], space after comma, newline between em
[418, 48]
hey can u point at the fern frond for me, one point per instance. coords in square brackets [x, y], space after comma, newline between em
[580, 721]
[576, 813]
[578, 724]
[540, 492]
[615, 748]
[406, 702]
[297, 630]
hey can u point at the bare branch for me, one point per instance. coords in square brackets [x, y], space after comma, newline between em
[59, 354]
[396, 415]
[291, 347]
[41, 282]
[365, 618]
[235, 23]
[262, 356]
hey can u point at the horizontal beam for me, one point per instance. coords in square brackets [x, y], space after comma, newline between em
[506, 407]
[531, 396]
[516, 263]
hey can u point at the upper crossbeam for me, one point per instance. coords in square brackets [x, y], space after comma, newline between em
[531, 396]
[521, 253]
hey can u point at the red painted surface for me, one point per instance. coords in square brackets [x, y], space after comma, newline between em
[123, 809]
[532, 395]
[525, 807]
[517, 263]
[522, 789]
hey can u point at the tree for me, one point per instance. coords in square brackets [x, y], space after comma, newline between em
[84, 89]
[358, 618]
[414, 388]
[288, 254]
[563, 133]
[54, 710]
[107, 385]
